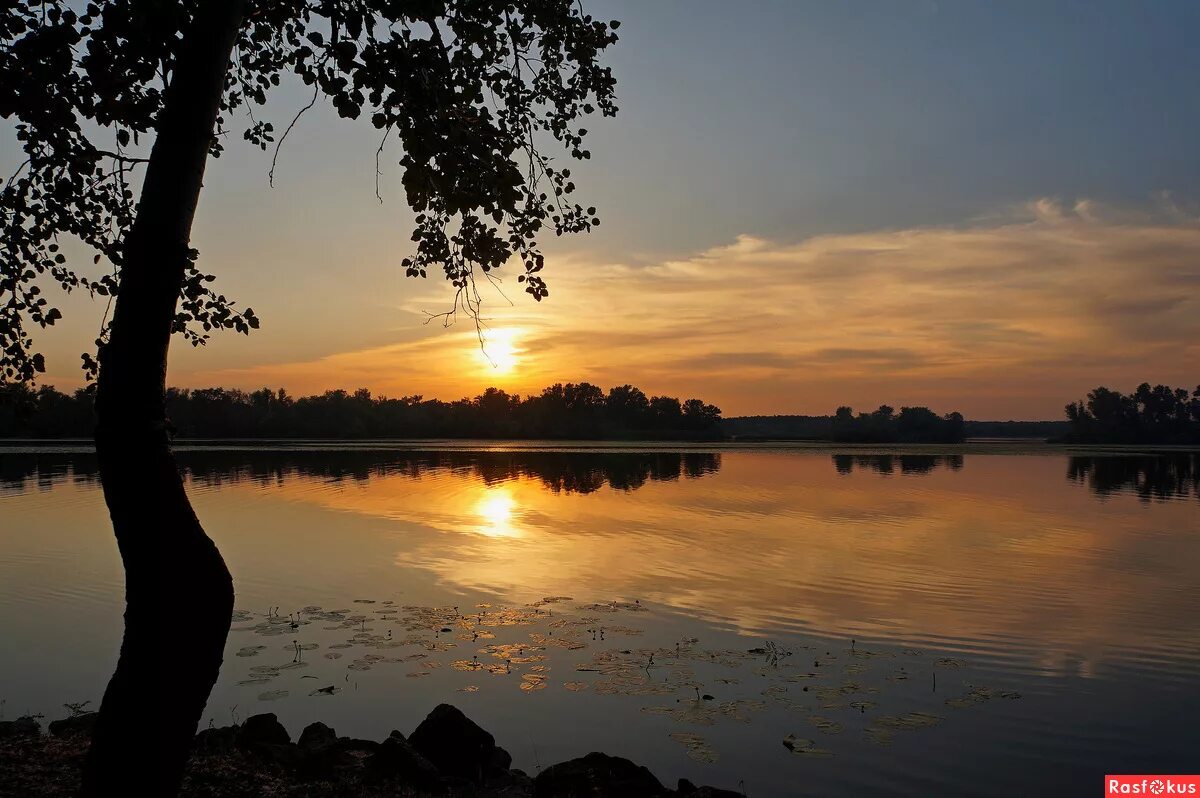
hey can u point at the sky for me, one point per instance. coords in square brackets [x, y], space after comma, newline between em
[975, 206]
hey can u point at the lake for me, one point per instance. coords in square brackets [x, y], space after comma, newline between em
[784, 620]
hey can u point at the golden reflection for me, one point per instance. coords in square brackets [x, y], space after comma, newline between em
[495, 510]
[1004, 555]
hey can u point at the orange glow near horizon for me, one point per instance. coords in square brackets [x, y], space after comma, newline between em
[1010, 317]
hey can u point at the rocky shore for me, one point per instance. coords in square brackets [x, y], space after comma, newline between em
[446, 755]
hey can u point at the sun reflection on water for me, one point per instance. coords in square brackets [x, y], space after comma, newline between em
[495, 510]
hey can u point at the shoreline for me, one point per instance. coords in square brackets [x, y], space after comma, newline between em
[447, 754]
[312, 445]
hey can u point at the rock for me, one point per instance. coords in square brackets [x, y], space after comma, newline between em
[688, 790]
[218, 740]
[24, 726]
[264, 736]
[319, 754]
[501, 760]
[454, 743]
[595, 775]
[325, 762]
[263, 729]
[508, 784]
[316, 735]
[75, 726]
[397, 759]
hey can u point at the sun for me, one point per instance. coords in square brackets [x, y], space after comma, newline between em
[500, 352]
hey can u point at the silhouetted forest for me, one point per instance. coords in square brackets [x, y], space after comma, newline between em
[885, 425]
[820, 428]
[1015, 429]
[571, 411]
[565, 472]
[1147, 415]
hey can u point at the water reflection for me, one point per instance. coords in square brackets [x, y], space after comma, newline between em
[560, 471]
[1003, 550]
[888, 463]
[495, 510]
[1001, 565]
[1149, 476]
[1001, 555]
[1159, 477]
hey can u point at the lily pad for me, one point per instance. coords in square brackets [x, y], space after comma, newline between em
[697, 747]
[802, 746]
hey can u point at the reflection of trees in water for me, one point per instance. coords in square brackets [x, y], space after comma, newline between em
[889, 463]
[569, 472]
[1162, 477]
[45, 470]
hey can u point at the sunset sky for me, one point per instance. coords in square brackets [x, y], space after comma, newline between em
[982, 206]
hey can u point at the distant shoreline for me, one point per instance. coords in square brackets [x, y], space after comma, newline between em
[970, 446]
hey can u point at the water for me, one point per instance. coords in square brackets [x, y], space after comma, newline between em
[1008, 620]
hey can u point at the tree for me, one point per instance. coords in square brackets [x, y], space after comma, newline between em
[1147, 415]
[627, 405]
[474, 90]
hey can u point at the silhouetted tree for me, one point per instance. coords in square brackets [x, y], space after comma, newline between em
[628, 406]
[474, 90]
[1148, 415]
[911, 425]
[699, 416]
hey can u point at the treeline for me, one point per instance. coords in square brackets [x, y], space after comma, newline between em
[1043, 430]
[820, 428]
[885, 425]
[1147, 415]
[573, 410]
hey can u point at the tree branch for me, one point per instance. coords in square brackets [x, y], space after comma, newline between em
[278, 144]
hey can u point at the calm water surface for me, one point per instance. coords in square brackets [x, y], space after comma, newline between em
[1001, 622]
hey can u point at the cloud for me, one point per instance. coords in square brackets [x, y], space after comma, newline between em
[737, 360]
[1012, 315]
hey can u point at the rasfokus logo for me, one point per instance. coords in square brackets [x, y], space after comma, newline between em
[1151, 785]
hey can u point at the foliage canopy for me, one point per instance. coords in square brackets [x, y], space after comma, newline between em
[478, 93]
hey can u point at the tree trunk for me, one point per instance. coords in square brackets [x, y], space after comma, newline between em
[178, 592]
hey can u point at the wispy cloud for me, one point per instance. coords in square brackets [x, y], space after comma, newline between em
[1010, 316]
